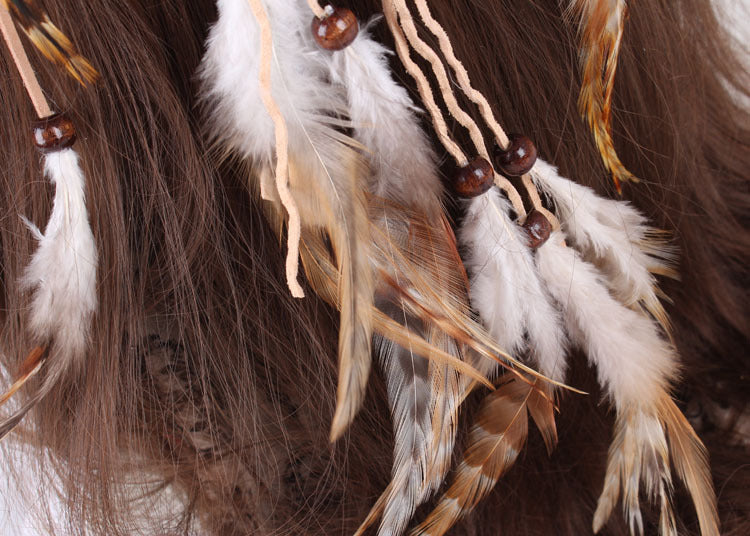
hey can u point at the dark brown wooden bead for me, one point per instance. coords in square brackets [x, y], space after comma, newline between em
[54, 133]
[538, 228]
[337, 29]
[518, 158]
[474, 179]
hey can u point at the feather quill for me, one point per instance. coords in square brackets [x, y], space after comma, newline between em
[601, 26]
[50, 41]
[613, 236]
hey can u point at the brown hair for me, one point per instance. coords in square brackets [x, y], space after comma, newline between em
[205, 374]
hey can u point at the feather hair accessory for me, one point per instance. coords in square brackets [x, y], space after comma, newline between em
[62, 271]
[375, 197]
[615, 254]
[601, 27]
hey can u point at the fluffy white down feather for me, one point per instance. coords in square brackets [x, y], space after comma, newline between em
[611, 234]
[62, 271]
[505, 287]
[310, 105]
[232, 62]
[385, 123]
[634, 363]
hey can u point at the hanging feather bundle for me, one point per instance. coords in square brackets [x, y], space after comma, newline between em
[375, 243]
[49, 39]
[606, 273]
[601, 26]
[62, 275]
[376, 197]
[325, 170]
[62, 271]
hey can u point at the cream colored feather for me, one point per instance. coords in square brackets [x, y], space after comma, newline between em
[327, 174]
[636, 366]
[613, 236]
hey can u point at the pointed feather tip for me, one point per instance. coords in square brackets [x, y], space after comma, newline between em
[29, 368]
[339, 424]
[50, 40]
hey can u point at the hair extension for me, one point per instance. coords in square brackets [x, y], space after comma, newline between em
[205, 376]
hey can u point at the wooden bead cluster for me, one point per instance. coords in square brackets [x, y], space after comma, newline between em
[336, 29]
[477, 176]
[53, 133]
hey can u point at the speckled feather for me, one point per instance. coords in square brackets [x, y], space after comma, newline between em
[602, 24]
[50, 41]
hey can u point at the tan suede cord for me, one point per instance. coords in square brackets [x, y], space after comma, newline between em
[479, 99]
[424, 50]
[316, 9]
[461, 74]
[294, 231]
[423, 85]
[30, 82]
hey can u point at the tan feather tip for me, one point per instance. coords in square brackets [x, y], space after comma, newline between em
[29, 368]
[339, 425]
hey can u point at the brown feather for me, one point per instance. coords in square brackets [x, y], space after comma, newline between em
[495, 440]
[602, 24]
[29, 368]
[50, 41]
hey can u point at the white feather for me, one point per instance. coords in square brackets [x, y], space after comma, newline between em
[611, 234]
[634, 363]
[385, 123]
[324, 170]
[62, 271]
[505, 287]
[310, 105]
[229, 72]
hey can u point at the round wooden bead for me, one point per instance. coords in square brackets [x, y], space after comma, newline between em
[474, 179]
[53, 133]
[518, 158]
[538, 228]
[337, 29]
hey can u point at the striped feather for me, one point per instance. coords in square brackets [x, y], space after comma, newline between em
[495, 440]
[602, 24]
[50, 41]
